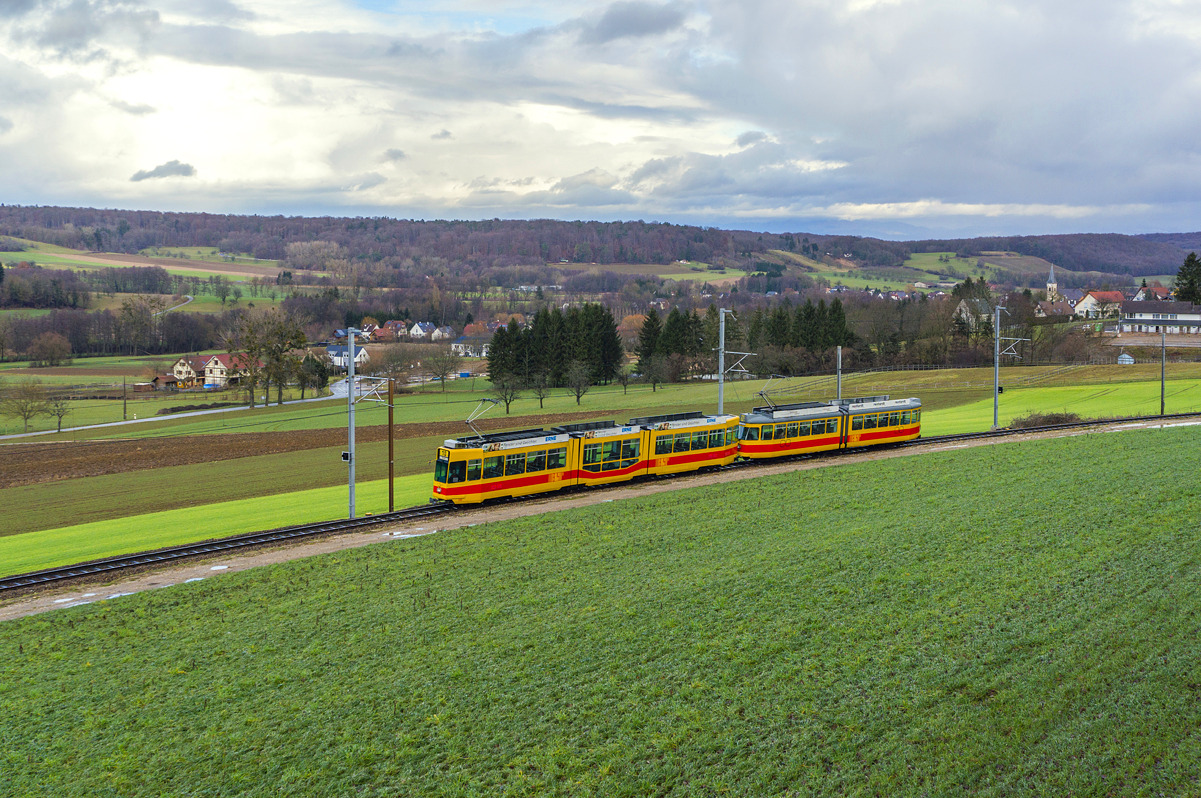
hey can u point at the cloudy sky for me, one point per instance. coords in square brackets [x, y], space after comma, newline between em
[902, 118]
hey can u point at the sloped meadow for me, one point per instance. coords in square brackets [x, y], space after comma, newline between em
[1014, 618]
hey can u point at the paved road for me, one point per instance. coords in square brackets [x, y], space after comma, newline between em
[148, 419]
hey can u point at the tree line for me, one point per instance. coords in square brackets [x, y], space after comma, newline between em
[573, 348]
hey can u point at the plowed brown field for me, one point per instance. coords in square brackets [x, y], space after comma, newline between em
[31, 463]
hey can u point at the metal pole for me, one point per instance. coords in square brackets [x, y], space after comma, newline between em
[350, 334]
[839, 373]
[1163, 364]
[391, 491]
[996, 364]
[124, 402]
[721, 360]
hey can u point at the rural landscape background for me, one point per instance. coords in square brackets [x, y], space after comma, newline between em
[1008, 618]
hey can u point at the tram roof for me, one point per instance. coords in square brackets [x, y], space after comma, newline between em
[501, 437]
[646, 421]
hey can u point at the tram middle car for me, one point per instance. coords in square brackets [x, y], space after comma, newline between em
[806, 427]
[474, 468]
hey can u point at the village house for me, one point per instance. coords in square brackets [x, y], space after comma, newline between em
[1099, 304]
[421, 331]
[471, 346]
[1057, 309]
[225, 369]
[189, 371]
[391, 330]
[973, 312]
[1153, 293]
[339, 356]
[1150, 316]
[442, 334]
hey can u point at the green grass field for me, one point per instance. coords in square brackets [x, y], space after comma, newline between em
[692, 271]
[144, 531]
[1019, 619]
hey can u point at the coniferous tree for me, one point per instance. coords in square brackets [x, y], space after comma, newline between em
[779, 327]
[648, 339]
[671, 342]
[822, 324]
[754, 329]
[840, 334]
[1188, 280]
[807, 335]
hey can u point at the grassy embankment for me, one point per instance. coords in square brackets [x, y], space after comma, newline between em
[1012, 619]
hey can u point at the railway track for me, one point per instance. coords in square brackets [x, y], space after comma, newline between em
[113, 565]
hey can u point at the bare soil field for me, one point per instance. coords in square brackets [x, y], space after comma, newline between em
[33, 463]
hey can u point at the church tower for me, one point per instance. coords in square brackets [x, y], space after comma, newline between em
[1052, 286]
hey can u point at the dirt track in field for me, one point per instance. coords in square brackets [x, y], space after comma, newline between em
[32, 463]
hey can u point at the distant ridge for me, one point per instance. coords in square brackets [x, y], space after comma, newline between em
[528, 242]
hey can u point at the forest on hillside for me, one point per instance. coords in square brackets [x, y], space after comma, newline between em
[496, 243]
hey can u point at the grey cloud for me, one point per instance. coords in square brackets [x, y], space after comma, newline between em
[632, 18]
[366, 181]
[5, 125]
[394, 155]
[10, 9]
[220, 10]
[168, 169]
[130, 108]
[441, 135]
[750, 137]
[74, 27]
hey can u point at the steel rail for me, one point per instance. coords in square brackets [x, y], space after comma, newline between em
[216, 546]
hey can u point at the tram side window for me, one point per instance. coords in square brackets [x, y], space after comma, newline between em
[494, 467]
[663, 444]
[750, 433]
[700, 440]
[556, 458]
[916, 415]
[682, 443]
[715, 438]
[536, 462]
[731, 435]
[592, 457]
[857, 423]
[629, 448]
[514, 464]
[869, 421]
[894, 419]
[793, 429]
[458, 471]
[904, 417]
[473, 470]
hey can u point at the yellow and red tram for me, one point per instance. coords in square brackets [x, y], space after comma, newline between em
[782, 430]
[479, 467]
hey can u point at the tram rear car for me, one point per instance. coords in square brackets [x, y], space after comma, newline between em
[807, 427]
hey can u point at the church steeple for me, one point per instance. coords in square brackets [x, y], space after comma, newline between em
[1052, 286]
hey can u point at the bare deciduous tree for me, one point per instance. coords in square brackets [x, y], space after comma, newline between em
[24, 400]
